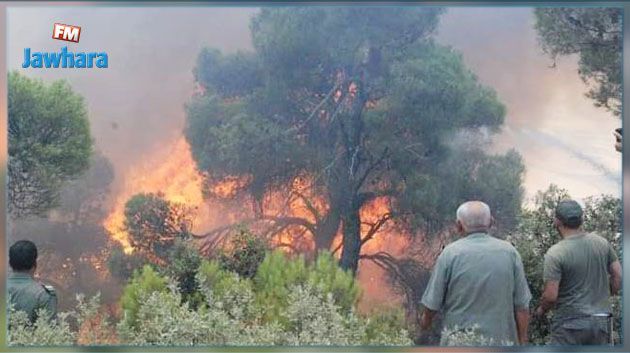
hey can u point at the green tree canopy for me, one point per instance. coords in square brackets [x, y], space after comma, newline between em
[49, 142]
[595, 35]
[154, 224]
[360, 99]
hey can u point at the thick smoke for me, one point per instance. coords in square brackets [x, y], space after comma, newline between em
[563, 138]
[136, 106]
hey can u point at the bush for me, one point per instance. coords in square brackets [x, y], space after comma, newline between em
[43, 332]
[469, 337]
[278, 274]
[287, 303]
[93, 327]
[246, 252]
[154, 223]
[182, 265]
[143, 283]
[309, 304]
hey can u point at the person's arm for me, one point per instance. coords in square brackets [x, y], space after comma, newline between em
[548, 298]
[615, 277]
[427, 318]
[522, 323]
[552, 274]
[48, 302]
[618, 140]
[433, 296]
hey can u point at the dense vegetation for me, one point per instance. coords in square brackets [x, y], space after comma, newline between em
[365, 110]
[287, 302]
[250, 295]
[49, 143]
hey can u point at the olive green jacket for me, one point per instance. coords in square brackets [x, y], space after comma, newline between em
[30, 296]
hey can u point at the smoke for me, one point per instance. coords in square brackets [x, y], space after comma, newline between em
[136, 106]
[549, 140]
[549, 121]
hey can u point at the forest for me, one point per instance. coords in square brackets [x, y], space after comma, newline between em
[332, 158]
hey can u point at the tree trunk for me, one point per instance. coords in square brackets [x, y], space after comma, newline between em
[351, 240]
[327, 229]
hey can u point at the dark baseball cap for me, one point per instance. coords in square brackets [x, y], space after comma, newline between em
[569, 212]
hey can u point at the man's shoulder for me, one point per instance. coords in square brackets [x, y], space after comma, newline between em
[32, 286]
[596, 238]
[556, 249]
[502, 243]
[50, 290]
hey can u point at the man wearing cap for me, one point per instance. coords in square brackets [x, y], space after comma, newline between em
[26, 294]
[580, 273]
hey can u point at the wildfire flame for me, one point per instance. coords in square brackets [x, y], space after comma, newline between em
[174, 175]
[172, 172]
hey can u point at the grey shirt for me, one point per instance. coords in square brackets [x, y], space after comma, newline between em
[479, 280]
[30, 296]
[580, 264]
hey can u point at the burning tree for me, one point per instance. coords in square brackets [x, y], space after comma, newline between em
[360, 101]
[155, 224]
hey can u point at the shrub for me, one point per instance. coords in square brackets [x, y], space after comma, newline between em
[311, 305]
[43, 332]
[245, 253]
[143, 283]
[278, 274]
[93, 326]
[469, 337]
[182, 265]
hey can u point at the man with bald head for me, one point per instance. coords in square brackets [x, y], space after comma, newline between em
[478, 282]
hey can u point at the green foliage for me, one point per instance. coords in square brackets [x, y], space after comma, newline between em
[278, 274]
[386, 325]
[58, 332]
[537, 233]
[313, 319]
[49, 142]
[245, 253]
[468, 337]
[231, 75]
[154, 223]
[467, 174]
[182, 265]
[42, 333]
[143, 283]
[302, 307]
[233, 311]
[593, 33]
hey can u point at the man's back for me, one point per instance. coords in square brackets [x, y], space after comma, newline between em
[483, 283]
[25, 294]
[581, 264]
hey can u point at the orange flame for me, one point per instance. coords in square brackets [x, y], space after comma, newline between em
[173, 174]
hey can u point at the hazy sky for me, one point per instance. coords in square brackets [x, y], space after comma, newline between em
[138, 102]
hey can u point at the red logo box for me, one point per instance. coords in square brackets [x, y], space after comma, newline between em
[67, 33]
